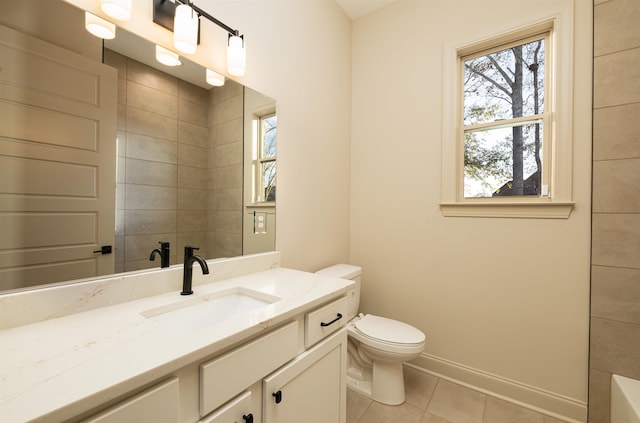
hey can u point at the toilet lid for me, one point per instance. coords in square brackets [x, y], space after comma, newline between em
[389, 330]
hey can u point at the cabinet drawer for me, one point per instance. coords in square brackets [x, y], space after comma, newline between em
[225, 376]
[324, 321]
[158, 404]
[233, 411]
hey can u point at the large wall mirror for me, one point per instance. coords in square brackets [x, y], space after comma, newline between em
[186, 163]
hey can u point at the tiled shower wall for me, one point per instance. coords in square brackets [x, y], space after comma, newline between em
[615, 274]
[167, 161]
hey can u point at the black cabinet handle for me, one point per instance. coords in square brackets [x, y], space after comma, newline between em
[106, 249]
[248, 418]
[338, 317]
[277, 396]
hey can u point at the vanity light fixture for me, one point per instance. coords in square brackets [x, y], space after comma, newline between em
[166, 14]
[214, 78]
[99, 27]
[236, 56]
[167, 57]
[117, 9]
[185, 29]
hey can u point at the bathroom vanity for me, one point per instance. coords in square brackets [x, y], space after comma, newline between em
[260, 347]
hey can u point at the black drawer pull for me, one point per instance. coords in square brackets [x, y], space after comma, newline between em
[277, 396]
[248, 418]
[338, 317]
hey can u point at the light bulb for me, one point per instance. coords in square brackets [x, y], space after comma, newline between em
[117, 9]
[185, 29]
[167, 57]
[236, 56]
[214, 78]
[99, 27]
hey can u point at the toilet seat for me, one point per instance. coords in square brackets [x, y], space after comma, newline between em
[388, 334]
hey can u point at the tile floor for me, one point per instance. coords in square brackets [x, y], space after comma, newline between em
[430, 399]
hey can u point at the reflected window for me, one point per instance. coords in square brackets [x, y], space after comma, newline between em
[264, 158]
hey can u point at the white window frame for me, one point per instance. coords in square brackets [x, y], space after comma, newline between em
[259, 160]
[558, 128]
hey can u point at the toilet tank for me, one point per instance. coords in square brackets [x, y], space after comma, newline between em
[351, 272]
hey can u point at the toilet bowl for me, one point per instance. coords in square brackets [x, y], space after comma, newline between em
[377, 348]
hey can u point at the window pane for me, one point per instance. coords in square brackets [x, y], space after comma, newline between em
[269, 180]
[495, 165]
[269, 126]
[505, 84]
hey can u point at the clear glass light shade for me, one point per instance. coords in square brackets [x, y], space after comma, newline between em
[117, 9]
[185, 29]
[236, 56]
[99, 27]
[214, 78]
[167, 57]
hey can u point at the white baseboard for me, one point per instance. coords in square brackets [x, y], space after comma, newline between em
[560, 407]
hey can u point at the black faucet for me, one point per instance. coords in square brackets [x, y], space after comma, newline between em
[189, 259]
[163, 252]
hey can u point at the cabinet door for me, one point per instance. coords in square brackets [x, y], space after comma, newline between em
[311, 388]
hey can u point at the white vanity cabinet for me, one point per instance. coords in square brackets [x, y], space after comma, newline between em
[311, 388]
[295, 385]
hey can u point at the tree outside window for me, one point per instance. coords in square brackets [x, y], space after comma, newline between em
[504, 119]
[267, 157]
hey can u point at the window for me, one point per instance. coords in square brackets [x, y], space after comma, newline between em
[507, 113]
[264, 159]
[503, 120]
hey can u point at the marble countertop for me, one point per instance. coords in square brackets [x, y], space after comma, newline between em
[58, 368]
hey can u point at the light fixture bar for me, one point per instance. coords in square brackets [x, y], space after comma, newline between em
[164, 10]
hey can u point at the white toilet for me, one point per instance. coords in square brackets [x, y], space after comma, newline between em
[378, 346]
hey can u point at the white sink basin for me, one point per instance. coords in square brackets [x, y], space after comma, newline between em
[197, 313]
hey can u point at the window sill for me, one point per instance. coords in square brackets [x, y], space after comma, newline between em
[546, 210]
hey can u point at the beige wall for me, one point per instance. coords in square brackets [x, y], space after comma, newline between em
[503, 302]
[615, 273]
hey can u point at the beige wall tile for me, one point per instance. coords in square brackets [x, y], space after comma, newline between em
[616, 26]
[226, 221]
[599, 393]
[115, 60]
[228, 245]
[192, 221]
[122, 117]
[190, 155]
[138, 222]
[151, 100]
[616, 240]
[227, 132]
[188, 133]
[149, 148]
[229, 199]
[616, 134]
[192, 199]
[120, 213]
[615, 294]
[151, 124]
[615, 347]
[232, 108]
[228, 90]
[229, 154]
[145, 172]
[227, 177]
[193, 93]
[119, 249]
[616, 186]
[191, 112]
[150, 77]
[192, 177]
[139, 247]
[138, 197]
[617, 79]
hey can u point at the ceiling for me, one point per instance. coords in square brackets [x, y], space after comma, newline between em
[356, 9]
